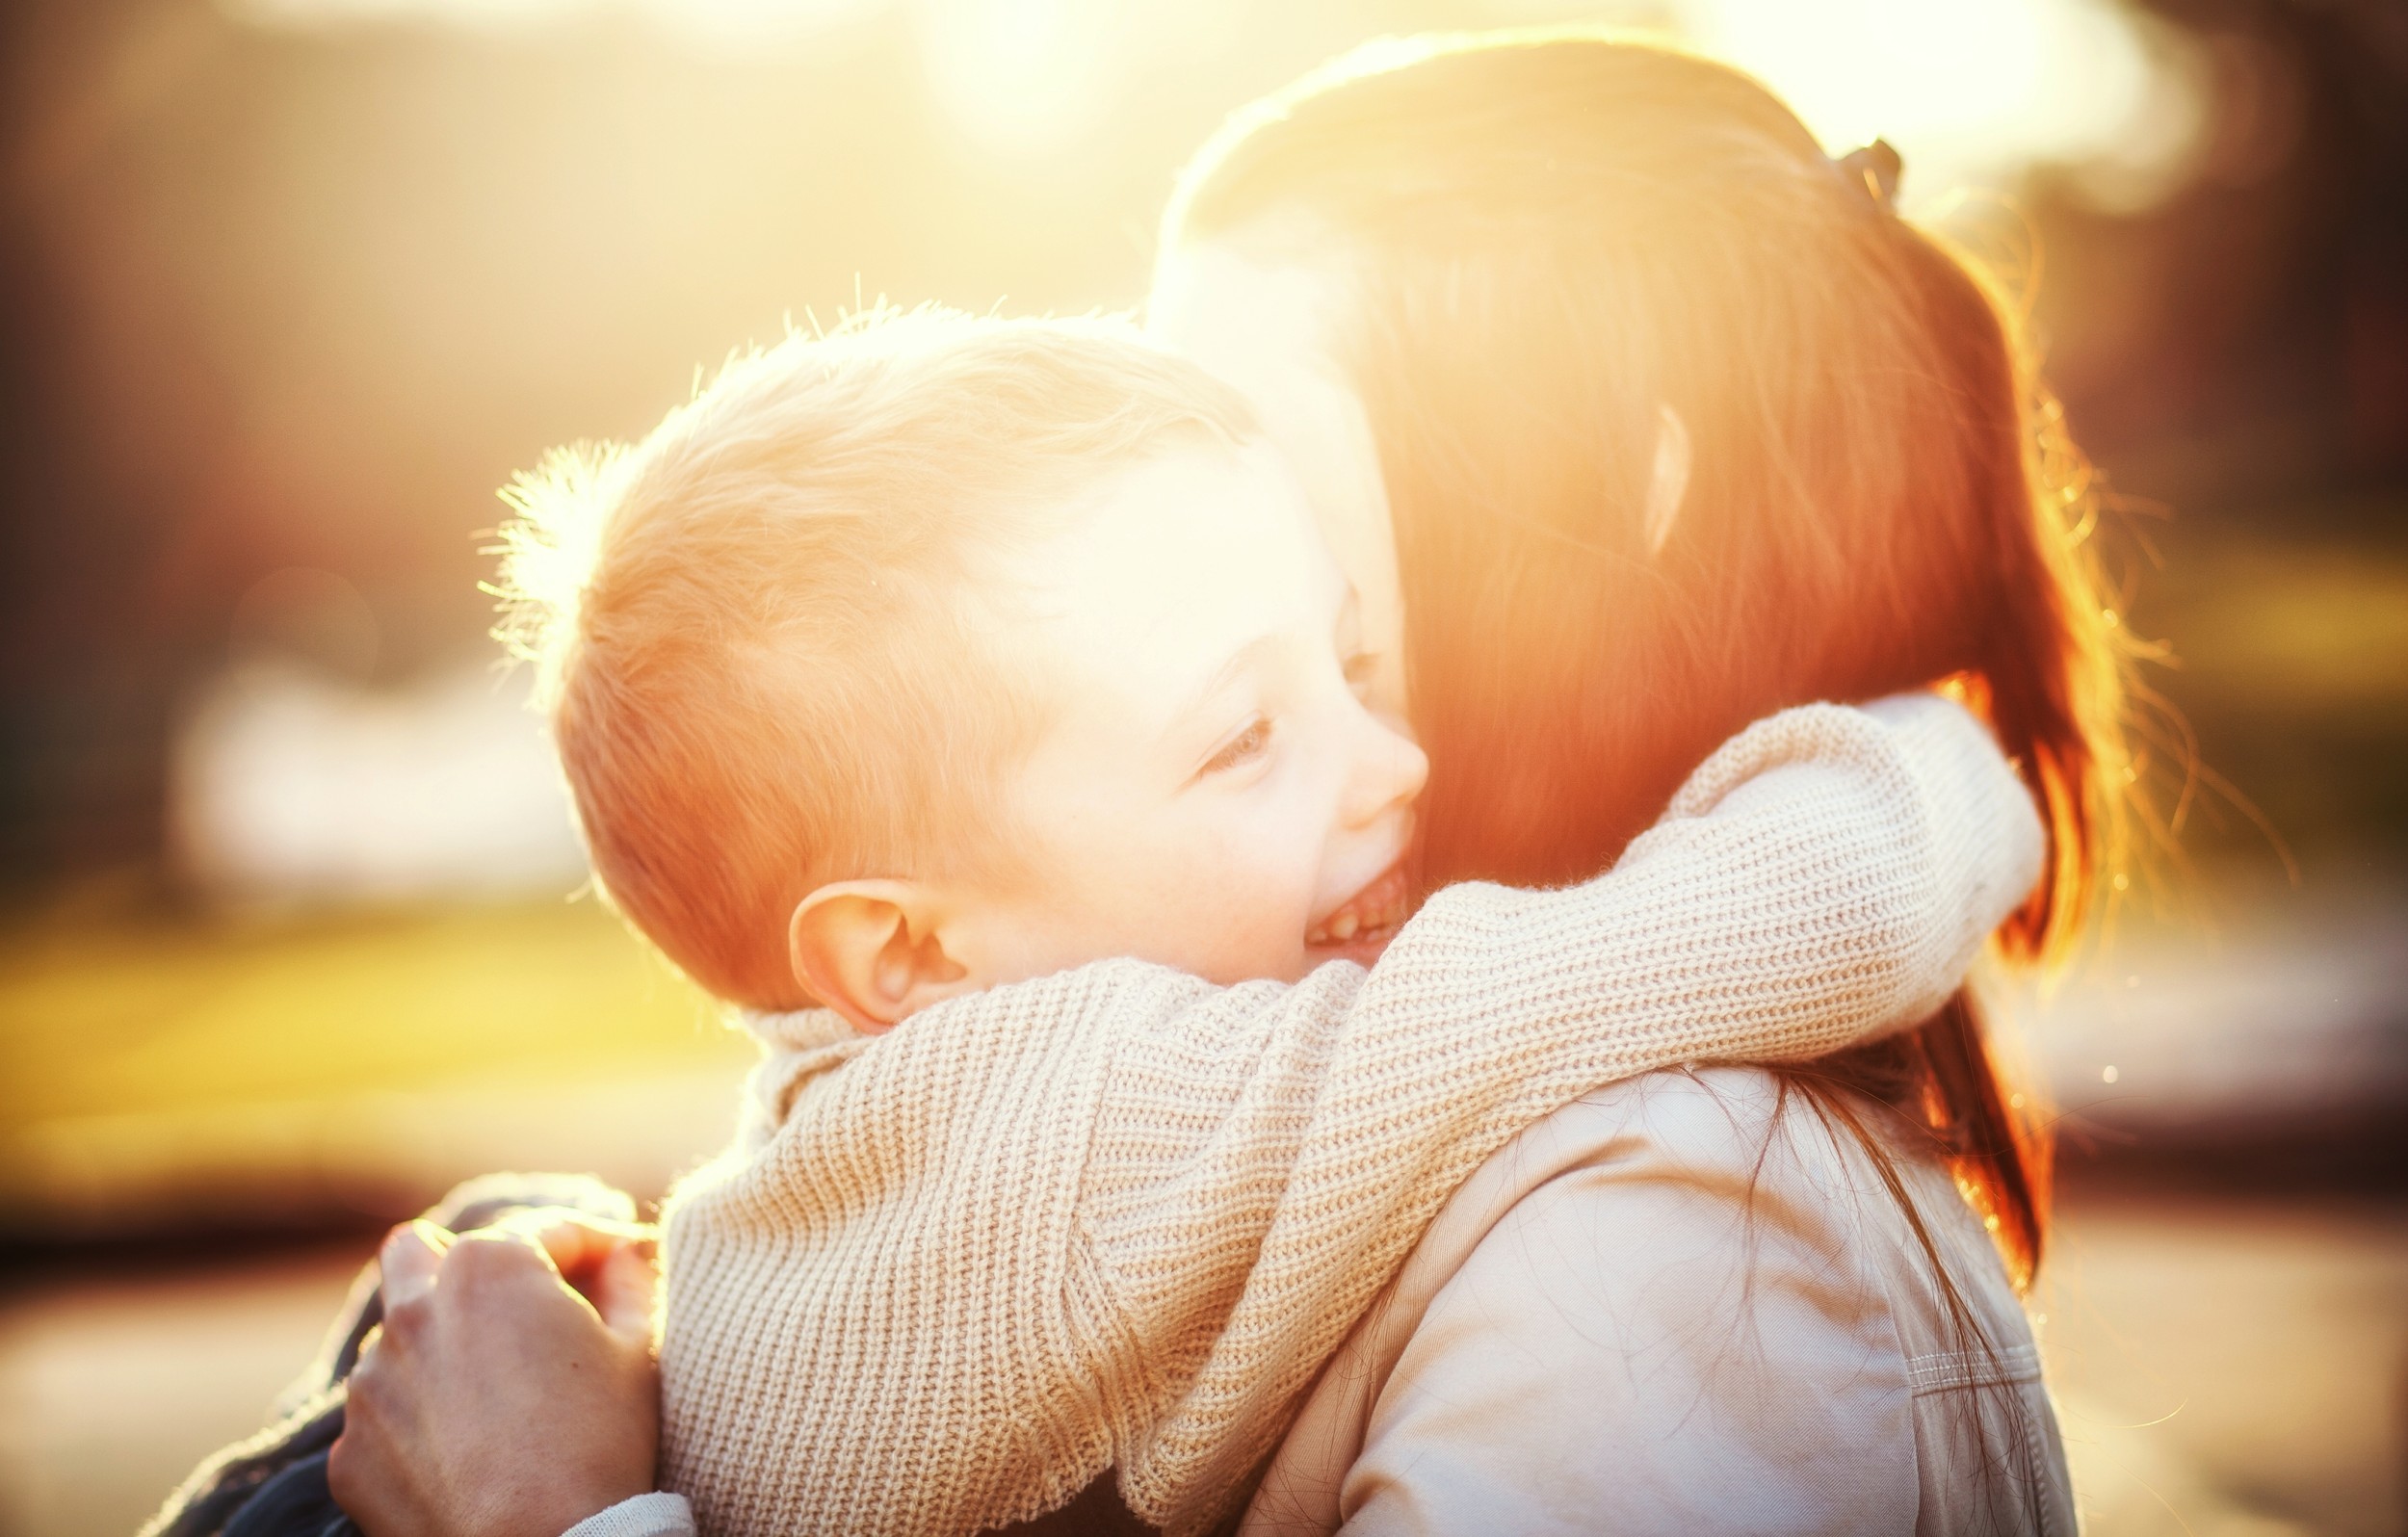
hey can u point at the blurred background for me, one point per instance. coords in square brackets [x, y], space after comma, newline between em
[287, 934]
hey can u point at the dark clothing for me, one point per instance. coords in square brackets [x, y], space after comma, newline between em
[274, 1484]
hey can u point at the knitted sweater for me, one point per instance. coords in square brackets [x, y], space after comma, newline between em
[1118, 1218]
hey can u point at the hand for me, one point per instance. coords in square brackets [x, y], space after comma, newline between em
[495, 1400]
[613, 1265]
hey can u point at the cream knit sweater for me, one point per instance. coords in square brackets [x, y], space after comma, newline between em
[1120, 1218]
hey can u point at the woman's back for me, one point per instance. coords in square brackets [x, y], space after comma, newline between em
[1686, 1303]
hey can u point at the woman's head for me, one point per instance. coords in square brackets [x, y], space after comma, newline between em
[1507, 264]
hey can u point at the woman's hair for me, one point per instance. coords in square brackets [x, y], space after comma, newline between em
[1549, 239]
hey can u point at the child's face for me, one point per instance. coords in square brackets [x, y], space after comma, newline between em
[1209, 791]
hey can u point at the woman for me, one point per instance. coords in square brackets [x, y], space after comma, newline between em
[1667, 421]
[1634, 419]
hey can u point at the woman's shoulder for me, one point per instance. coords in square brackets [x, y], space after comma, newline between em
[1736, 1132]
[1687, 1282]
[1734, 1169]
[1715, 1116]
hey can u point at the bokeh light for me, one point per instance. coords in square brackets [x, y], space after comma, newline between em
[289, 925]
[1972, 91]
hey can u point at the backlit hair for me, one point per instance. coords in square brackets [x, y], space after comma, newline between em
[1544, 239]
[753, 631]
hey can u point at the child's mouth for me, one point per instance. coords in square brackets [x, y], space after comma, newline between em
[1366, 920]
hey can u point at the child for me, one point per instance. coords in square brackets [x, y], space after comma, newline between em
[986, 684]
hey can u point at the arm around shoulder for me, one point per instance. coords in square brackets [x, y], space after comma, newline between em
[1828, 874]
[1888, 841]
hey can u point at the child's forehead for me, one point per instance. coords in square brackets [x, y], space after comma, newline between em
[1195, 519]
[1173, 562]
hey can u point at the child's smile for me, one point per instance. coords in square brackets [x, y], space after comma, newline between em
[1359, 929]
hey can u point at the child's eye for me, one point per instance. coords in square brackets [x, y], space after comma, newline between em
[1241, 750]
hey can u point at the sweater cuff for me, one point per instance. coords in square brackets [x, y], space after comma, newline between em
[659, 1514]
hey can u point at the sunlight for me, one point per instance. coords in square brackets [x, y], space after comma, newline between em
[1971, 90]
[1021, 76]
[474, 15]
[714, 25]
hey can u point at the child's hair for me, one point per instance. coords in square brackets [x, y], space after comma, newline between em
[750, 628]
[1545, 239]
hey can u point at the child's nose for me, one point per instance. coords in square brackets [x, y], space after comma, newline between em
[1390, 771]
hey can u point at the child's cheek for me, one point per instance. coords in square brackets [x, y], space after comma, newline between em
[1258, 898]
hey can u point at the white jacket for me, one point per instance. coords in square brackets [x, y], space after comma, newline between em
[1684, 1304]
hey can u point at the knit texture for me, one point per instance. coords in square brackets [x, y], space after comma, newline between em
[1120, 1218]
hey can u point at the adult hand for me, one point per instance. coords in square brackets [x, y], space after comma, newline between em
[496, 1399]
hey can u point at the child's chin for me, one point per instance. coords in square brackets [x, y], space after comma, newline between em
[1362, 950]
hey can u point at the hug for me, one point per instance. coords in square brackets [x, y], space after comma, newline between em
[1362, 904]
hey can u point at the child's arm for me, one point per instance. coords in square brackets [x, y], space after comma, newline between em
[1827, 874]
[1120, 1216]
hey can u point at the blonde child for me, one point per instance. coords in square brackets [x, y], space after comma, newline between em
[974, 704]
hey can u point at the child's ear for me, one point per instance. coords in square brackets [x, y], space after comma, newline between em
[1668, 484]
[871, 950]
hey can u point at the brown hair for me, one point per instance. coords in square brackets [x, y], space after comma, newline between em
[1550, 237]
[749, 628]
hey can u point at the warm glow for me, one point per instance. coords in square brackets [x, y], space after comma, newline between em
[1970, 90]
[1019, 74]
[296, 926]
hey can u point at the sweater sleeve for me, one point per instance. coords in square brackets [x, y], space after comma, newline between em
[1828, 874]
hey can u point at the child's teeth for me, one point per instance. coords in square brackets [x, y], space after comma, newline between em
[1343, 927]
